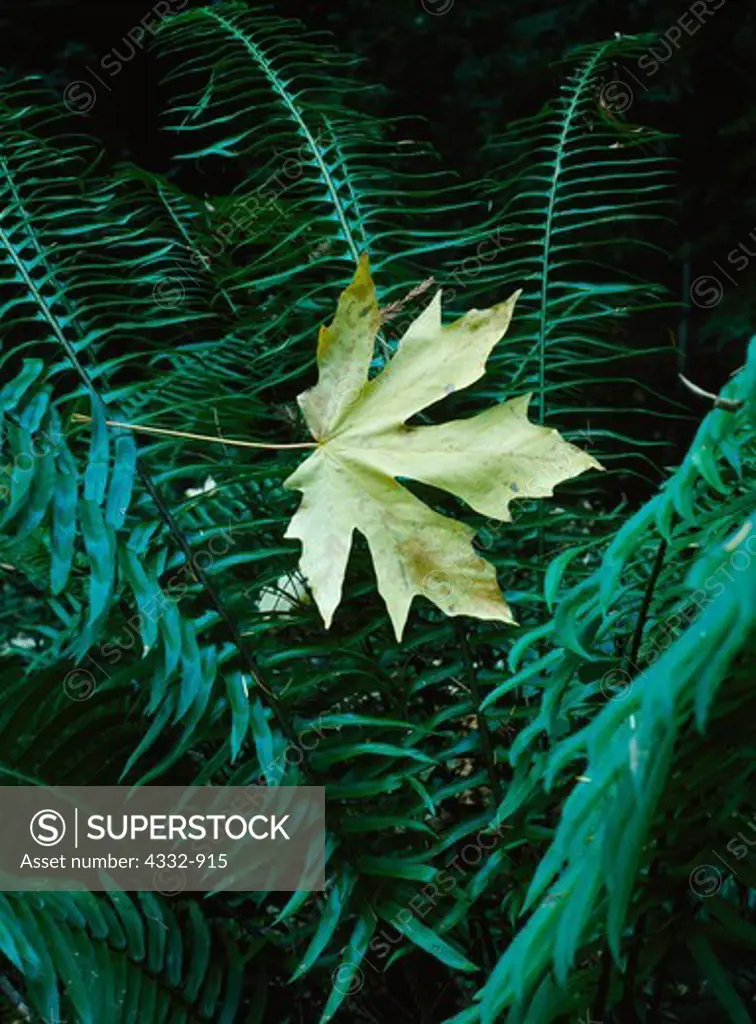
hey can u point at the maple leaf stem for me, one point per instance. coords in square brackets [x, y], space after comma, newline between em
[161, 431]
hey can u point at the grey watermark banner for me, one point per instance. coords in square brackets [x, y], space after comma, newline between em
[167, 839]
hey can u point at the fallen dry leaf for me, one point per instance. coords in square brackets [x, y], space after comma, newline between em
[349, 482]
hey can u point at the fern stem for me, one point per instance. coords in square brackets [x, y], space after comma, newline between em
[278, 86]
[555, 185]
[643, 614]
[47, 314]
[165, 512]
[162, 432]
[632, 663]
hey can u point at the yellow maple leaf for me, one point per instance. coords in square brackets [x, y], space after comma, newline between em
[349, 482]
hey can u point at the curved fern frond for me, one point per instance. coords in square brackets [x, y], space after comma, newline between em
[321, 182]
[697, 641]
[578, 201]
[120, 959]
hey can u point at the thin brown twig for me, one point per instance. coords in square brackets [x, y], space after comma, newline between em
[728, 404]
[389, 311]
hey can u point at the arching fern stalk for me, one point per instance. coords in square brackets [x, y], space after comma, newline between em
[580, 210]
[581, 199]
[75, 286]
[311, 182]
[631, 845]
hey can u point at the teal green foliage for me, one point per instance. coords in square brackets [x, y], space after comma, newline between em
[514, 816]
